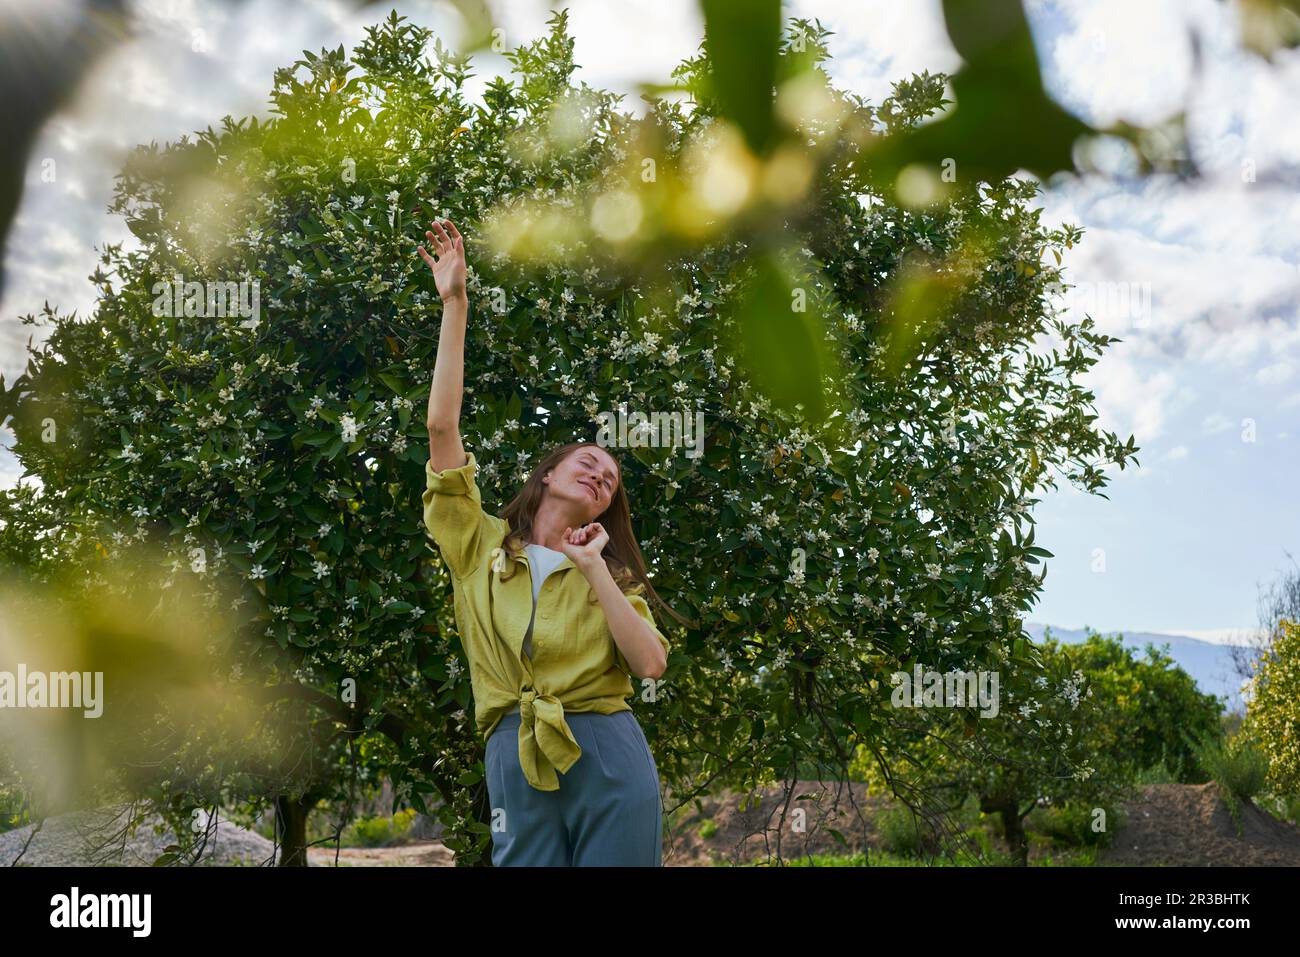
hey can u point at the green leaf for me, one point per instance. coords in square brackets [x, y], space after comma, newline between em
[393, 382]
[781, 338]
[743, 39]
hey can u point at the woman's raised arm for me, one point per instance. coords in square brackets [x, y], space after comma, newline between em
[443, 421]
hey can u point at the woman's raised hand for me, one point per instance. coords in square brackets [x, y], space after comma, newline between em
[449, 268]
[584, 545]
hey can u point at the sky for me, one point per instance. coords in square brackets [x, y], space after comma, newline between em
[1199, 280]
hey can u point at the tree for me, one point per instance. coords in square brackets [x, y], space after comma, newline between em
[1277, 603]
[276, 443]
[1272, 718]
[1153, 704]
[1043, 736]
[1075, 730]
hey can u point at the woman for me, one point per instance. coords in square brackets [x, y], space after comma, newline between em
[551, 649]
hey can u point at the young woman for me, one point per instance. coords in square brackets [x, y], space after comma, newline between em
[548, 605]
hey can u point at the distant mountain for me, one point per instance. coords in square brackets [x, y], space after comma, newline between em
[1209, 664]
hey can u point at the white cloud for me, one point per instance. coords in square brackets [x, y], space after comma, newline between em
[1200, 284]
[878, 42]
[1275, 373]
[1221, 254]
[1130, 401]
[1218, 422]
[1122, 60]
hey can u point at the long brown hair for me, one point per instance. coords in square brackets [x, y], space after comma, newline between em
[622, 553]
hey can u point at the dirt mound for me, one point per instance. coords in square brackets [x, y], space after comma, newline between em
[414, 854]
[97, 838]
[1169, 824]
[814, 811]
[1189, 825]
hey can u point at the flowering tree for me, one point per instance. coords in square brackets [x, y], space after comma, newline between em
[814, 548]
[1272, 721]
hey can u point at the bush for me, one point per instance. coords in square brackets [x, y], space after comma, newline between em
[901, 832]
[1237, 766]
[1158, 773]
[1070, 825]
[1271, 716]
[14, 810]
[380, 831]
[1283, 807]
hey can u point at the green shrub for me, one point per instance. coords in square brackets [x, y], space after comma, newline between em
[1236, 765]
[901, 832]
[1285, 807]
[708, 828]
[1070, 825]
[13, 809]
[380, 831]
[1158, 773]
[1271, 714]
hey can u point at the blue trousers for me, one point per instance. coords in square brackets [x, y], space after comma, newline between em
[608, 811]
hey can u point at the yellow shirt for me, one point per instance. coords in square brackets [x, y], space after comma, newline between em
[575, 665]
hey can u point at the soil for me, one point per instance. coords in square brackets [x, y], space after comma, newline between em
[1168, 824]
[815, 810]
[415, 854]
[1189, 825]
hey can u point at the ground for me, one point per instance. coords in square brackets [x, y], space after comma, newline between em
[1167, 824]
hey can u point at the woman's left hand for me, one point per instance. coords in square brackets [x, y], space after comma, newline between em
[584, 545]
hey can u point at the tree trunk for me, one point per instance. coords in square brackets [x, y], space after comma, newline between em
[1013, 826]
[291, 829]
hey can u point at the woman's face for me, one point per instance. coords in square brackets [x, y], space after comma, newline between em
[588, 477]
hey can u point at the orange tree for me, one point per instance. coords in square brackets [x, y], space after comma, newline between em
[1074, 729]
[823, 538]
[1272, 717]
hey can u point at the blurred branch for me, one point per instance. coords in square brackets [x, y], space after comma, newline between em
[39, 75]
[41, 71]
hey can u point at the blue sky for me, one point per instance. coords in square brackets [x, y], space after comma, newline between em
[1207, 377]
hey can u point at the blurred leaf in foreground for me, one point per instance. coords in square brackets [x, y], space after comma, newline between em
[782, 336]
[108, 683]
[743, 39]
[1269, 25]
[1003, 120]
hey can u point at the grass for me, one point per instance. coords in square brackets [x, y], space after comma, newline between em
[1083, 857]
[1238, 767]
[1063, 840]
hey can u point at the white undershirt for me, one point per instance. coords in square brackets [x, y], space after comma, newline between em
[541, 562]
